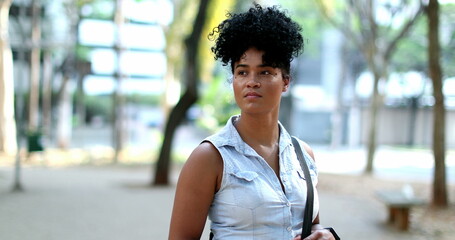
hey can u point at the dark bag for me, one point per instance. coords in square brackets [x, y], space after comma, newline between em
[308, 214]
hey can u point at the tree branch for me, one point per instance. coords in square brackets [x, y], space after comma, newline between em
[346, 30]
[402, 33]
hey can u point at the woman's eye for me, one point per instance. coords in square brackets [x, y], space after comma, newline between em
[241, 73]
[266, 73]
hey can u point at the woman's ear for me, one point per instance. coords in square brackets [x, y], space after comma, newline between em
[286, 81]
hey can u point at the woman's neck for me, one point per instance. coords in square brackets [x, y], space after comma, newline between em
[258, 129]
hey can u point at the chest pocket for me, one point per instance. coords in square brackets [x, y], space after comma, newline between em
[246, 189]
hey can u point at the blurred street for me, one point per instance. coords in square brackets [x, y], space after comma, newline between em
[390, 162]
[116, 201]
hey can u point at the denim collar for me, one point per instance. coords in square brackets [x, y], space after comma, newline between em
[234, 140]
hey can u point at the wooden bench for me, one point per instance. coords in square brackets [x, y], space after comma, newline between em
[399, 206]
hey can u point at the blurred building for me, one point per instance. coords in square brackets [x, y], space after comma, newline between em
[142, 37]
[312, 110]
[322, 100]
[79, 52]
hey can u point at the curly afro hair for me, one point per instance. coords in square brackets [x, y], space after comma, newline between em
[267, 29]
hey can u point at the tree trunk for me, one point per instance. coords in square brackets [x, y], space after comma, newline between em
[33, 103]
[10, 132]
[80, 99]
[372, 132]
[188, 99]
[378, 61]
[439, 198]
[176, 116]
[118, 125]
[118, 121]
[413, 107]
[337, 117]
[83, 69]
[8, 143]
[64, 121]
[47, 94]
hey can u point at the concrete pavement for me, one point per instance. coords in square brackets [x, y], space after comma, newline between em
[115, 203]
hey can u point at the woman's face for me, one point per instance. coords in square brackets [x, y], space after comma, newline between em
[257, 86]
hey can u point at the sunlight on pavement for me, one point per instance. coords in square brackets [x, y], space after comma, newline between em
[389, 162]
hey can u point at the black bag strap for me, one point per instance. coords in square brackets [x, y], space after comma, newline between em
[308, 214]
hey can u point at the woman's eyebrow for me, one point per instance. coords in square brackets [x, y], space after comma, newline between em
[246, 65]
[241, 65]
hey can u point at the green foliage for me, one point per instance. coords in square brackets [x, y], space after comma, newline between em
[83, 52]
[307, 14]
[143, 99]
[448, 57]
[100, 105]
[217, 103]
[448, 39]
[217, 13]
[411, 52]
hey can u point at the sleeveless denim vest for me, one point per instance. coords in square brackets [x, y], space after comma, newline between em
[251, 203]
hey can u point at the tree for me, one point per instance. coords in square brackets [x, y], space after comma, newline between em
[68, 70]
[439, 198]
[35, 66]
[118, 129]
[7, 122]
[190, 96]
[377, 42]
[175, 35]
[9, 134]
[65, 107]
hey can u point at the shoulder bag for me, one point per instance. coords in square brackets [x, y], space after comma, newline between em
[308, 214]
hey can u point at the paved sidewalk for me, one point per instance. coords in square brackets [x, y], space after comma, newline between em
[84, 203]
[114, 203]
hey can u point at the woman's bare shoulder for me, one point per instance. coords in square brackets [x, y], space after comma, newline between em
[308, 149]
[205, 159]
[205, 152]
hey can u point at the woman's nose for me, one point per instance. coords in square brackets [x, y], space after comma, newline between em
[253, 81]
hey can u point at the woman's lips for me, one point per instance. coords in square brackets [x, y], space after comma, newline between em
[252, 95]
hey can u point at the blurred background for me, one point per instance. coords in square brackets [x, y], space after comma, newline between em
[102, 95]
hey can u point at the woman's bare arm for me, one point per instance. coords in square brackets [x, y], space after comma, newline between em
[198, 182]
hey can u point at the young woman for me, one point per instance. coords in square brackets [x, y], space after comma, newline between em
[247, 177]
